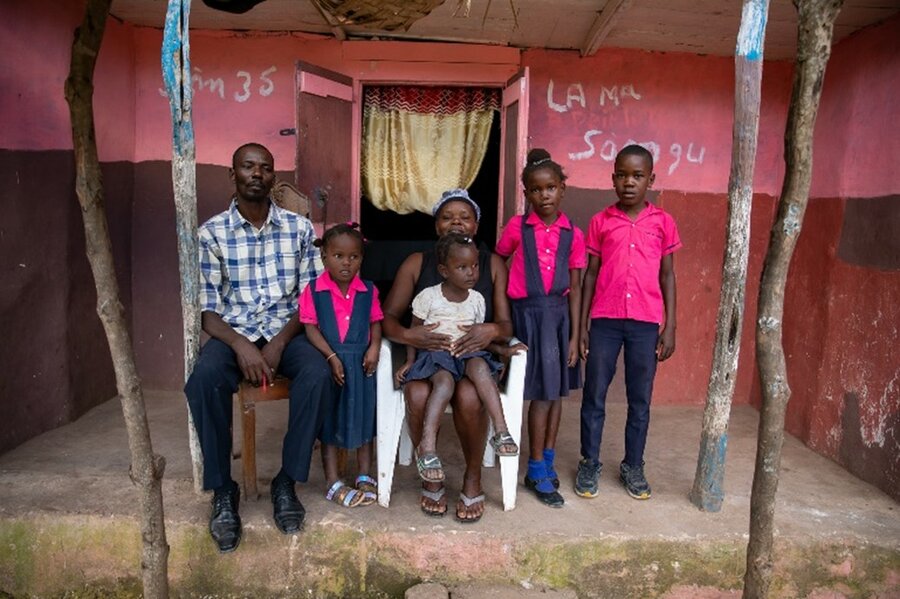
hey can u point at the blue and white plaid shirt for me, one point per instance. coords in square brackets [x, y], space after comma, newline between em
[252, 278]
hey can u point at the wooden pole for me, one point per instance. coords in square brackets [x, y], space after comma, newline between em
[707, 492]
[176, 68]
[146, 467]
[815, 29]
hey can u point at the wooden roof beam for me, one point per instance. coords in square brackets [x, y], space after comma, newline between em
[603, 24]
[336, 29]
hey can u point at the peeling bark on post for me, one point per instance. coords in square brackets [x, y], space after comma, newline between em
[146, 467]
[176, 68]
[707, 492]
[815, 28]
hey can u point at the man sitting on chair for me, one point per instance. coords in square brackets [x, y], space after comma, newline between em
[255, 259]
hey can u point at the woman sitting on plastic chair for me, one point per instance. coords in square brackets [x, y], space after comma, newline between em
[454, 212]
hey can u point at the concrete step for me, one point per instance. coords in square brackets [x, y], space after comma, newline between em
[46, 555]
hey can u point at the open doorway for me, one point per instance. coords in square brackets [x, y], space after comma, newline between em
[393, 236]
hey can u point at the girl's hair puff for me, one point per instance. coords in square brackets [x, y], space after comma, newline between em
[351, 229]
[539, 158]
[445, 245]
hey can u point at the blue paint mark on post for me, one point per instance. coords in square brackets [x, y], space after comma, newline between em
[176, 71]
[753, 29]
[712, 474]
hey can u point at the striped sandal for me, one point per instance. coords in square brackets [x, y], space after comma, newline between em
[436, 507]
[368, 486]
[344, 495]
[465, 503]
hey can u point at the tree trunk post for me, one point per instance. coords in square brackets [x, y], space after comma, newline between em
[176, 69]
[146, 467]
[707, 492]
[815, 28]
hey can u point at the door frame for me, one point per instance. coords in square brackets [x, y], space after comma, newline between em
[432, 64]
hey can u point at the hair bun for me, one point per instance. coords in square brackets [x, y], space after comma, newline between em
[536, 155]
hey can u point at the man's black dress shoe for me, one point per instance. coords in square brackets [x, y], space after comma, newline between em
[225, 522]
[288, 511]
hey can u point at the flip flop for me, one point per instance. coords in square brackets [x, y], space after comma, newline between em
[344, 495]
[368, 486]
[430, 461]
[436, 497]
[504, 439]
[469, 502]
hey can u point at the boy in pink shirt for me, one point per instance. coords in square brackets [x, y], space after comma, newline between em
[628, 292]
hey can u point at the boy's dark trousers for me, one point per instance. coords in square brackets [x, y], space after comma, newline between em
[209, 393]
[607, 337]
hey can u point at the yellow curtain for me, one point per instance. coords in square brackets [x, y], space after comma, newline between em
[421, 141]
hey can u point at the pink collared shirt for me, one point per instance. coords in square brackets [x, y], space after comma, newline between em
[630, 254]
[546, 241]
[343, 304]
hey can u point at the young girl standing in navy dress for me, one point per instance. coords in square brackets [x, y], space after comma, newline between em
[342, 315]
[544, 288]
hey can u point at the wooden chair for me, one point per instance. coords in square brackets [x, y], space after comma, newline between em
[249, 396]
[393, 430]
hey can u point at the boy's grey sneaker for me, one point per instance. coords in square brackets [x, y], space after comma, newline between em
[587, 478]
[633, 479]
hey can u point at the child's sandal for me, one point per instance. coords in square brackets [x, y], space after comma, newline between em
[344, 495]
[504, 440]
[368, 486]
[430, 461]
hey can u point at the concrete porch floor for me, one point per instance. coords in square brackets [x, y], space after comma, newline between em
[68, 521]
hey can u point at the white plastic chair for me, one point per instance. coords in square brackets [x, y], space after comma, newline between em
[393, 431]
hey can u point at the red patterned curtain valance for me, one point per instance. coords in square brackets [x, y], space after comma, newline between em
[432, 100]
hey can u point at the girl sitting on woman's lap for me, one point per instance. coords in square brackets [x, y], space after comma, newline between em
[453, 306]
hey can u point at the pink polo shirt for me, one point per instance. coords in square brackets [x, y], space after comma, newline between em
[546, 241]
[630, 254]
[343, 304]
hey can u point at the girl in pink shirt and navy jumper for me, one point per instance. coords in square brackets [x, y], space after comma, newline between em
[548, 254]
[629, 291]
[342, 315]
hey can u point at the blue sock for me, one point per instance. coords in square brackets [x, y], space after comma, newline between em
[549, 455]
[537, 471]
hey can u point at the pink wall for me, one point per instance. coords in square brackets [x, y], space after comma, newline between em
[33, 110]
[857, 144]
[841, 317]
[584, 109]
[244, 84]
[32, 107]
[58, 365]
